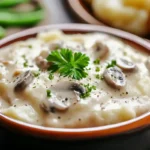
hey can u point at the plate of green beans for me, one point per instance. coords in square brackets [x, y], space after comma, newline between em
[10, 17]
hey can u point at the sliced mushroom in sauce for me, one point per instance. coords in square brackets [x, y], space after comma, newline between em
[56, 45]
[64, 95]
[53, 104]
[147, 63]
[23, 80]
[125, 65]
[100, 50]
[114, 77]
[41, 61]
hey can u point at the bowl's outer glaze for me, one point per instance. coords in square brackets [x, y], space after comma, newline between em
[81, 133]
[81, 10]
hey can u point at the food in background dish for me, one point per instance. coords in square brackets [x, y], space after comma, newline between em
[128, 15]
[74, 80]
[10, 16]
[139, 4]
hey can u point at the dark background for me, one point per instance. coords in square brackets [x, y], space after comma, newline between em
[57, 12]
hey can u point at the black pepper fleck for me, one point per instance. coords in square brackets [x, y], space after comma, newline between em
[52, 109]
[66, 99]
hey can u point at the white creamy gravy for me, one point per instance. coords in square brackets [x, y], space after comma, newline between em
[105, 105]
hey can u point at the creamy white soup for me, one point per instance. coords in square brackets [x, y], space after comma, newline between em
[74, 80]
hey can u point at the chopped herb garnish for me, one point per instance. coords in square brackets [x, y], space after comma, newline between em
[30, 46]
[23, 56]
[125, 53]
[97, 76]
[51, 76]
[96, 62]
[25, 64]
[48, 93]
[112, 64]
[88, 89]
[97, 69]
[101, 77]
[88, 68]
[68, 63]
[36, 74]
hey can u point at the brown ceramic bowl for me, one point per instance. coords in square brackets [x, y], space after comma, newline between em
[81, 133]
[84, 12]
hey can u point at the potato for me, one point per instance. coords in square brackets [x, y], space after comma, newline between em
[23, 113]
[50, 36]
[115, 14]
[140, 4]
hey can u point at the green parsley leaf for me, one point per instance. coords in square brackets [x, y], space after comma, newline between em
[88, 89]
[96, 62]
[36, 74]
[68, 63]
[97, 69]
[48, 93]
[51, 76]
[97, 76]
[30, 46]
[112, 64]
[25, 64]
[125, 53]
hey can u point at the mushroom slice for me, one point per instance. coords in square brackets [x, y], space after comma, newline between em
[148, 64]
[114, 77]
[56, 45]
[53, 104]
[41, 62]
[100, 49]
[64, 95]
[23, 80]
[126, 65]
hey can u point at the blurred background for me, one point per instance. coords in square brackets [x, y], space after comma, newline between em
[128, 15]
[18, 15]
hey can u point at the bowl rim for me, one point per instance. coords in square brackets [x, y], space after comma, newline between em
[77, 133]
[80, 11]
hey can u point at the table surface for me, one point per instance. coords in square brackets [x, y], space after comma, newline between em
[58, 13]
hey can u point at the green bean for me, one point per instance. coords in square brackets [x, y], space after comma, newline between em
[10, 3]
[2, 32]
[13, 18]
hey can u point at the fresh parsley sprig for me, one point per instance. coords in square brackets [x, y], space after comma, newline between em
[112, 64]
[89, 89]
[68, 63]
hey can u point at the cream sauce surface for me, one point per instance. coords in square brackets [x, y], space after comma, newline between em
[105, 104]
